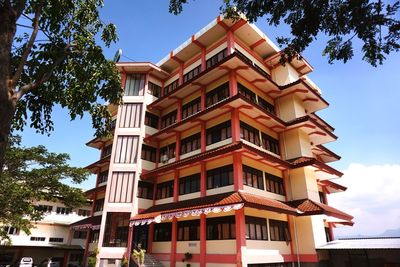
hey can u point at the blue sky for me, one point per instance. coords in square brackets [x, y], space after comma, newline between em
[363, 101]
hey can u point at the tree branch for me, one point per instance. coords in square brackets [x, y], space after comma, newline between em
[28, 48]
[19, 7]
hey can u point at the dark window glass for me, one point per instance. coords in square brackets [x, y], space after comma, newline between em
[106, 151]
[168, 119]
[151, 120]
[253, 177]
[36, 238]
[56, 239]
[167, 152]
[145, 190]
[82, 212]
[99, 203]
[216, 58]
[279, 230]
[63, 210]
[80, 234]
[149, 153]
[249, 133]
[11, 230]
[270, 143]
[256, 228]
[44, 208]
[266, 105]
[220, 177]
[321, 197]
[247, 93]
[103, 176]
[189, 184]
[221, 228]
[274, 184]
[188, 230]
[162, 232]
[171, 87]
[134, 85]
[165, 189]
[328, 235]
[219, 132]
[190, 143]
[218, 94]
[116, 229]
[191, 74]
[154, 89]
[241, 55]
[191, 108]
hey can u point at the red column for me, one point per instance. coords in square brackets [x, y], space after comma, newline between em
[130, 240]
[233, 88]
[235, 125]
[203, 250]
[85, 253]
[150, 240]
[173, 242]
[178, 146]
[123, 80]
[179, 110]
[237, 172]
[331, 230]
[240, 235]
[203, 179]
[65, 261]
[176, 185]
[203, 140]
[158, 154]
[162, 89]
[203, 59]
[181, 67]
[203, 98]
[230, 42]
[154, 191]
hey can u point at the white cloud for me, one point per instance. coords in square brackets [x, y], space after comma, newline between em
[372, 197]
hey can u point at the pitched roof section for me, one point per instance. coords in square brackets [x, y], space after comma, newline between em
[87, 223]
[309, 207]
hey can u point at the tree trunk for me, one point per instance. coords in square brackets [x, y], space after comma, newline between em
[7, 103]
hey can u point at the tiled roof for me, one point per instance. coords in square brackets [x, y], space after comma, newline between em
[309, 207]
[93, 220]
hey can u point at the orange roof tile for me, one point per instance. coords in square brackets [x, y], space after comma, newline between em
[309, 207]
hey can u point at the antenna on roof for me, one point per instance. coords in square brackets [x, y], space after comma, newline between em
[117, 55]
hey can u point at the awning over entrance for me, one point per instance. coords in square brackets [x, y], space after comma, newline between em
[87, 223]
[215, 203]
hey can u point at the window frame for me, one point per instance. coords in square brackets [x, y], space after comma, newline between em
[165, 190]
[276, 182]
[190, 143]
[162, 232]
[279, 230]
[217, 133]
[169, 119]
[189, 184]
[148, 153]
[259, 177]
[223, 175]
[151, 120]
[191, 108]
[260, 228]
[217, 94]
[188, 230]
[145, 194]
[215, 229]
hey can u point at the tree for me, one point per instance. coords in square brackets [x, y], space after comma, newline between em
[375, 23]
[34, 174]
[54, 59]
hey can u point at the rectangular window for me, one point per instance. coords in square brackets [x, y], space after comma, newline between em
[44, 208]
[168, 119]
[216, 58]
[154, 89]
[266, 105]
[80, 234]
[274, 184]
[191, 108]
[130, 116]
[82, 212]
[126, 150]
[103, 176]
[218, 94]
[219, 132]
[165, 189]
[253, 177]
[321, 197]
[249, 133]
[116, 229]
[167, 152]
[279, 230]
[189, 184]
[149, 153]
[151, 120]
[145, 190]
[221, 228]
[190, 143]
[162, 232]
[37, 238]
[11, 230]
[189, 230]
[63, 210]
[220, 177]
[56, 239]
[134, 85]
[256, 228]
[121, 187]
[250, 95]
[106, 151]
[269, 143]
[328, 235]
[171, 87]
[191, 74]
[99, 204]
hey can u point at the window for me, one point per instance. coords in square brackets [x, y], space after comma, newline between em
[99, 203]
[266, 105]
[168, 119]
[190, 143]
[256, 228]
[274, 184]
[82, 212]
[253, 177]
[36, 238]
[149, 153]
[328, 235]
[63, 210]
[56, 239]
[103, 176]
[154, 89]
[121, 187]
[216, 58]
[116, 229]
[162, 232]
[94, 238]
[250, 95]
[189, 184]
[219, 177]
[249, 133]
[221, 228]
[106, 151]
[168, 152]
[269, 143]
[151, 120]
[11, 230]
[126, 149]
[44, 208]
[191, 108]
[189, 230]
[171, 87]
[279, 230]
[134, 85]
[218, 94]
[165, 190]
[130, 115]
[191, 74]
[219, 132]
[145, 190]
[321, 197]
[80, 234]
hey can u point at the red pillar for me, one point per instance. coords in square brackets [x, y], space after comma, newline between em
[230, 42]
[181, 67]
[203, 98]
[240, 235]
[203, 59]
[203, 137]
[178, 146]
[130, 240]
[233, 88]
[176, 185]
[203, 179]
[123, 80]
[158, 154]
[203, 250]
[235, 125]
[331, 231]
[86, 252]
[237, 171]
[150, 240]
[65, 260]
[179, 110]
[155, 191]
[173, 242]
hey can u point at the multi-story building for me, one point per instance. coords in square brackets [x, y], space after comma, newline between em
[217, 158]
[49, 238]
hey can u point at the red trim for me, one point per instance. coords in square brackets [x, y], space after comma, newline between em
[221, 258]
[215, 45]
[203, 136]
[238, 24]
[223, 25]
[178, 146]
[240, 235]
[302, 258]
[235, 125]
[203, 59]
[233, 87]
[261, 41]
[237, 171]
[203, 179]
[123, 80]
[230, 42]
[176, 185]
[203, 249]
[173, 241]
[179, 110]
